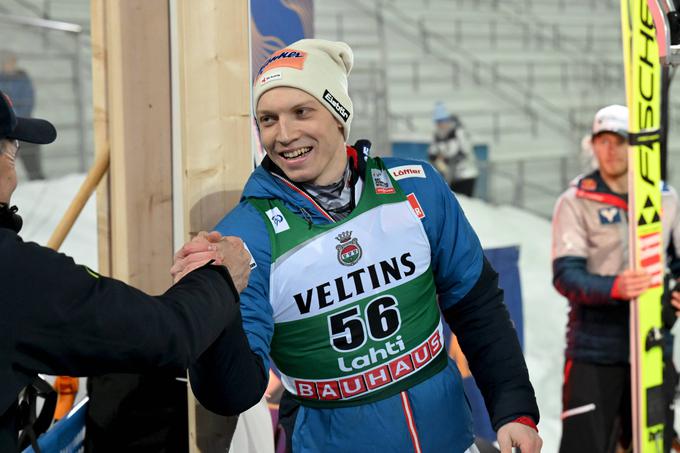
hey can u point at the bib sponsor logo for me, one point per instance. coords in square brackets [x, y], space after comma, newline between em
[413, 201]
[349, 250]
[328, 390]
[278, 220]
[270, 78]
[609, 216]
[355, 283]
[352, 386]
[375, 355]
[285, 58]
[306, 389]
[382, 182]
[380, 376]
[337, 106]
[408, 171]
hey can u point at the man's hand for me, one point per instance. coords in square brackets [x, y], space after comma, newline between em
[194, 254]
[630, 283]
[8, 171]
[232, 253]
[228, 251]
[518, 435]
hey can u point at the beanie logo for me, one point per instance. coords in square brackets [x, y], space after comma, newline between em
[285, 58]
[337, 106]
[265, 79]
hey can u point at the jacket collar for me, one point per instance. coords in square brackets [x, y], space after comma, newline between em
[593, 187]
[294, 194]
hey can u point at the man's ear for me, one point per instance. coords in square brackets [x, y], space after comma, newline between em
[340, 126]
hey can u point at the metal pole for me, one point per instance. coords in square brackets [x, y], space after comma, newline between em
[519, 185]
[422, 28]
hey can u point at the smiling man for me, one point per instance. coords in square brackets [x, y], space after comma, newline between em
[353, 259]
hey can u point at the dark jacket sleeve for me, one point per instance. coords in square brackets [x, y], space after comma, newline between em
[488, 339]
[572, 279]
[232, 375]
[229, 378]
[68, 320]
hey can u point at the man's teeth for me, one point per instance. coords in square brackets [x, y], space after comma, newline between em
[297, 153]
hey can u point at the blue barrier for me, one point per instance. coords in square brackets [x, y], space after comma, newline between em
[67, 435]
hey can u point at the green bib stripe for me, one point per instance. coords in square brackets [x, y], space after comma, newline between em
[355, 317]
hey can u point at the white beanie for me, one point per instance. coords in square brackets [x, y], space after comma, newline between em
[315, 66]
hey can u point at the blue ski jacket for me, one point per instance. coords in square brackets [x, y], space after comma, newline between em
[433, 415]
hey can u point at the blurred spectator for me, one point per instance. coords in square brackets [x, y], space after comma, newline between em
[18, 85]
[450, 152]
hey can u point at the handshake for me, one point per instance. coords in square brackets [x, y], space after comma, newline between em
[228, 251]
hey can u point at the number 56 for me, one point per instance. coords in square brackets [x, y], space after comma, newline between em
[348, 328]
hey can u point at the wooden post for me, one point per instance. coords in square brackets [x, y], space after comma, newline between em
[212, 127]
[101, 129]
[132, 118]
[149, 115]
[213, 116]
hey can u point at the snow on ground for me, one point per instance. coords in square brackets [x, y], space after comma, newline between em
[43, 203]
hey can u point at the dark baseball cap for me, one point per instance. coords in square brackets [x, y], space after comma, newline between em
[30, 130]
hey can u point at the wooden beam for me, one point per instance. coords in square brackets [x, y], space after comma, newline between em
[101, 129]
[211, 55]
[212, 127]
[131, 72]
[213, 58]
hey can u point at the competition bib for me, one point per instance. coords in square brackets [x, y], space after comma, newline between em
[354, 302]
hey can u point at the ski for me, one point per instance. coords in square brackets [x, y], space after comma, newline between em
[643, 70]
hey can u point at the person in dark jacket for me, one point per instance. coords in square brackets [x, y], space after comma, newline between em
[451, 153]
[62, 318]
